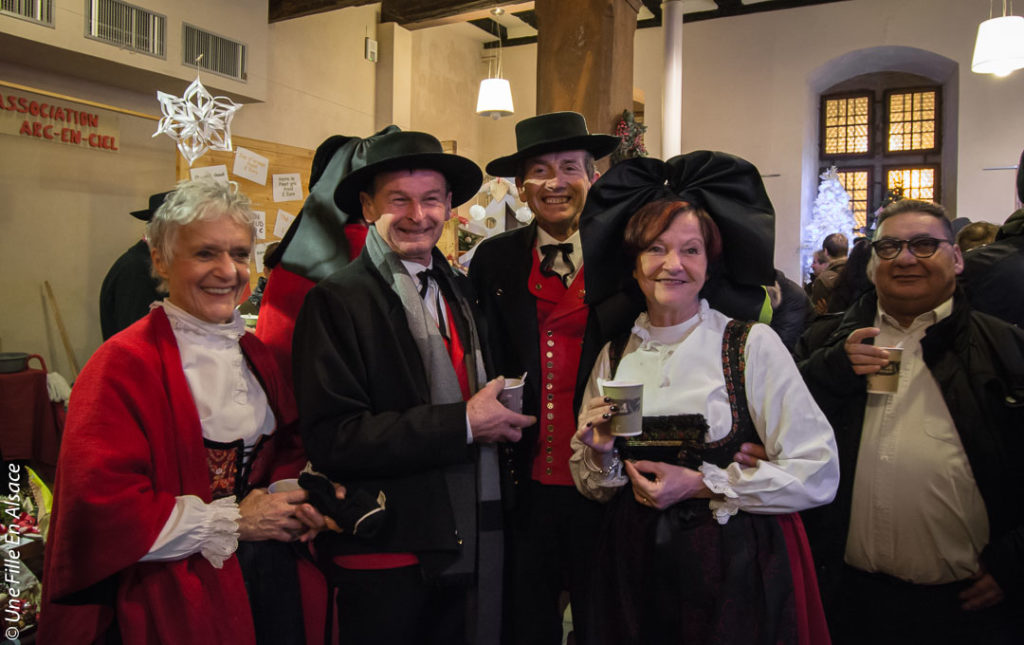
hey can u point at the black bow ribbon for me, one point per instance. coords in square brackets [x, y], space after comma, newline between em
[437, 273]
[727, 187]
[425, 275]
[551, 252]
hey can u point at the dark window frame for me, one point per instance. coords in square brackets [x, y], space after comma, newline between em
[937, 147]
[871, 182]
[871, 124]
[937, 167]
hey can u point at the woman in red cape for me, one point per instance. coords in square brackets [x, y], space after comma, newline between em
[162, 529]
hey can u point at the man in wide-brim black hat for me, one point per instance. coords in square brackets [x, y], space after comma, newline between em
[531, 285]
[392, 394]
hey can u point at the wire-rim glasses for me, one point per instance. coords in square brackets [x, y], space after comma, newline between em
[922, 246]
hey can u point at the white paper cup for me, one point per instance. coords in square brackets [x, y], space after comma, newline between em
[512, 396]
[887, 379]
[628, 397]
[284, 485]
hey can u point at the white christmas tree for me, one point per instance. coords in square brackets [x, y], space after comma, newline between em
[831, 214]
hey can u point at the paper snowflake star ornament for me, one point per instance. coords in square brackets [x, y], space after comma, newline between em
[197, 121]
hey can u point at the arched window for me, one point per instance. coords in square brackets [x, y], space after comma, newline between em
[883, 133]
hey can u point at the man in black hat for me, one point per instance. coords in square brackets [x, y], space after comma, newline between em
[390, 383]
[129, 286]
[531, 286]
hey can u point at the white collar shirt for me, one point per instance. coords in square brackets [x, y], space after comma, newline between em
[917, 513]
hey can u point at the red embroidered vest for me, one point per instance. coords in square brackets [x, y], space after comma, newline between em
[561, 321]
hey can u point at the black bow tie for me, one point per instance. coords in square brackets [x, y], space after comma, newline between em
[425, 275]
[550, 252]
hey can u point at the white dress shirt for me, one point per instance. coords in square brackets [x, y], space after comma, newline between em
[681, 370]
[917, 513]
[232, 405]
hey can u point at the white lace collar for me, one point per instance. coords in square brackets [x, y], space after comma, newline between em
[652, 337]
[185, 322]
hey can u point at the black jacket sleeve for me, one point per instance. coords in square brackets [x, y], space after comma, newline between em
[361, 390]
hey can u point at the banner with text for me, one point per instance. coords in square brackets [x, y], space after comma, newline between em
[23, 114]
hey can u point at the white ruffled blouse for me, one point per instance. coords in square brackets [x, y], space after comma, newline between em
[681, 370]
[232, 405]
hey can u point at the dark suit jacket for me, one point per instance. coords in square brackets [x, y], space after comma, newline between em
[365, 412]
[500, 272]
[994, 274]
[127, 291]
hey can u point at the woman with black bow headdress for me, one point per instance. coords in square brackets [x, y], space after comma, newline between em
[698, 548]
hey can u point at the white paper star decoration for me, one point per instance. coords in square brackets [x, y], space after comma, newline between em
[197, 121]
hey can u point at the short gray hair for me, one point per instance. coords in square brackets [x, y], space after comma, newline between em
[192, 201]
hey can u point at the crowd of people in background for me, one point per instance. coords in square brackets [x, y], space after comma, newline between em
[217, 486]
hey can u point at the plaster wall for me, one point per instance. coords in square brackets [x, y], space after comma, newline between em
[318, 82]
[243, 21]
[750, 86]
[64, 218]
[445, 81]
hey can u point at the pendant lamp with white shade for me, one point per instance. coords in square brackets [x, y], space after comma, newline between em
[495, 96]
[999, 48]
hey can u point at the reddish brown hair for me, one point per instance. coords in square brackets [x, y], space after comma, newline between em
[653, 219]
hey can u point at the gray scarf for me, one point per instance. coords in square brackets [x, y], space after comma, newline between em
[469, 485]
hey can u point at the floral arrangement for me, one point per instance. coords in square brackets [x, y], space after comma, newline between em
[631, 132]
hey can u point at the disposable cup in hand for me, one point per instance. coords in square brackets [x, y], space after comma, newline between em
[628, 398]
[887, 379]
[512, 396]
[284, 485]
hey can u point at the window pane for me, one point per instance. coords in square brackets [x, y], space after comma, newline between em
[847, 123]
[915, 183]
[911, 121]
[856, 184]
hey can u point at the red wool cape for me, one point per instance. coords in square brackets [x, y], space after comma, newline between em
[133, 442]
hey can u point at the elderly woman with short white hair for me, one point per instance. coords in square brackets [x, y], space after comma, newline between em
[163, 530]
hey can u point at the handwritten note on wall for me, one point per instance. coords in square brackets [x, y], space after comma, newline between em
[251, 166]
[216, 173]
[288, 187]
[284, 220]
[261, 225]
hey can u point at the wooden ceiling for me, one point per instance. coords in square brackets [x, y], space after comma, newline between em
[420, 13]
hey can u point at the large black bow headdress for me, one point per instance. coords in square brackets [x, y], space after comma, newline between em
[727, 187]
[315, 245]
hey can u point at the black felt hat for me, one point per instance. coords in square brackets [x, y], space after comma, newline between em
[409, 151]
[154, 203]
[552, 132]
[729, 188]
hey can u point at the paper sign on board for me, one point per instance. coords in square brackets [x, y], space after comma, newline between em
[216, 173]
[251, 166]
[287, 187]
[284, 220]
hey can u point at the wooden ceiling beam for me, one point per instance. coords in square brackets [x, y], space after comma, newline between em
[409, 12]
[278, 10]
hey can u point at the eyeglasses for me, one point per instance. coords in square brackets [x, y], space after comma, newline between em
[888, 248]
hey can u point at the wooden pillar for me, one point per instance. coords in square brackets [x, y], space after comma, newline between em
[585, 58]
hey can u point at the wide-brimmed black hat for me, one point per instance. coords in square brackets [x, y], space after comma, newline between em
[409, 151]
[552, 132]
[154, 203]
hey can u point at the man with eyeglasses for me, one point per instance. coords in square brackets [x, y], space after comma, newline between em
[926, 535]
